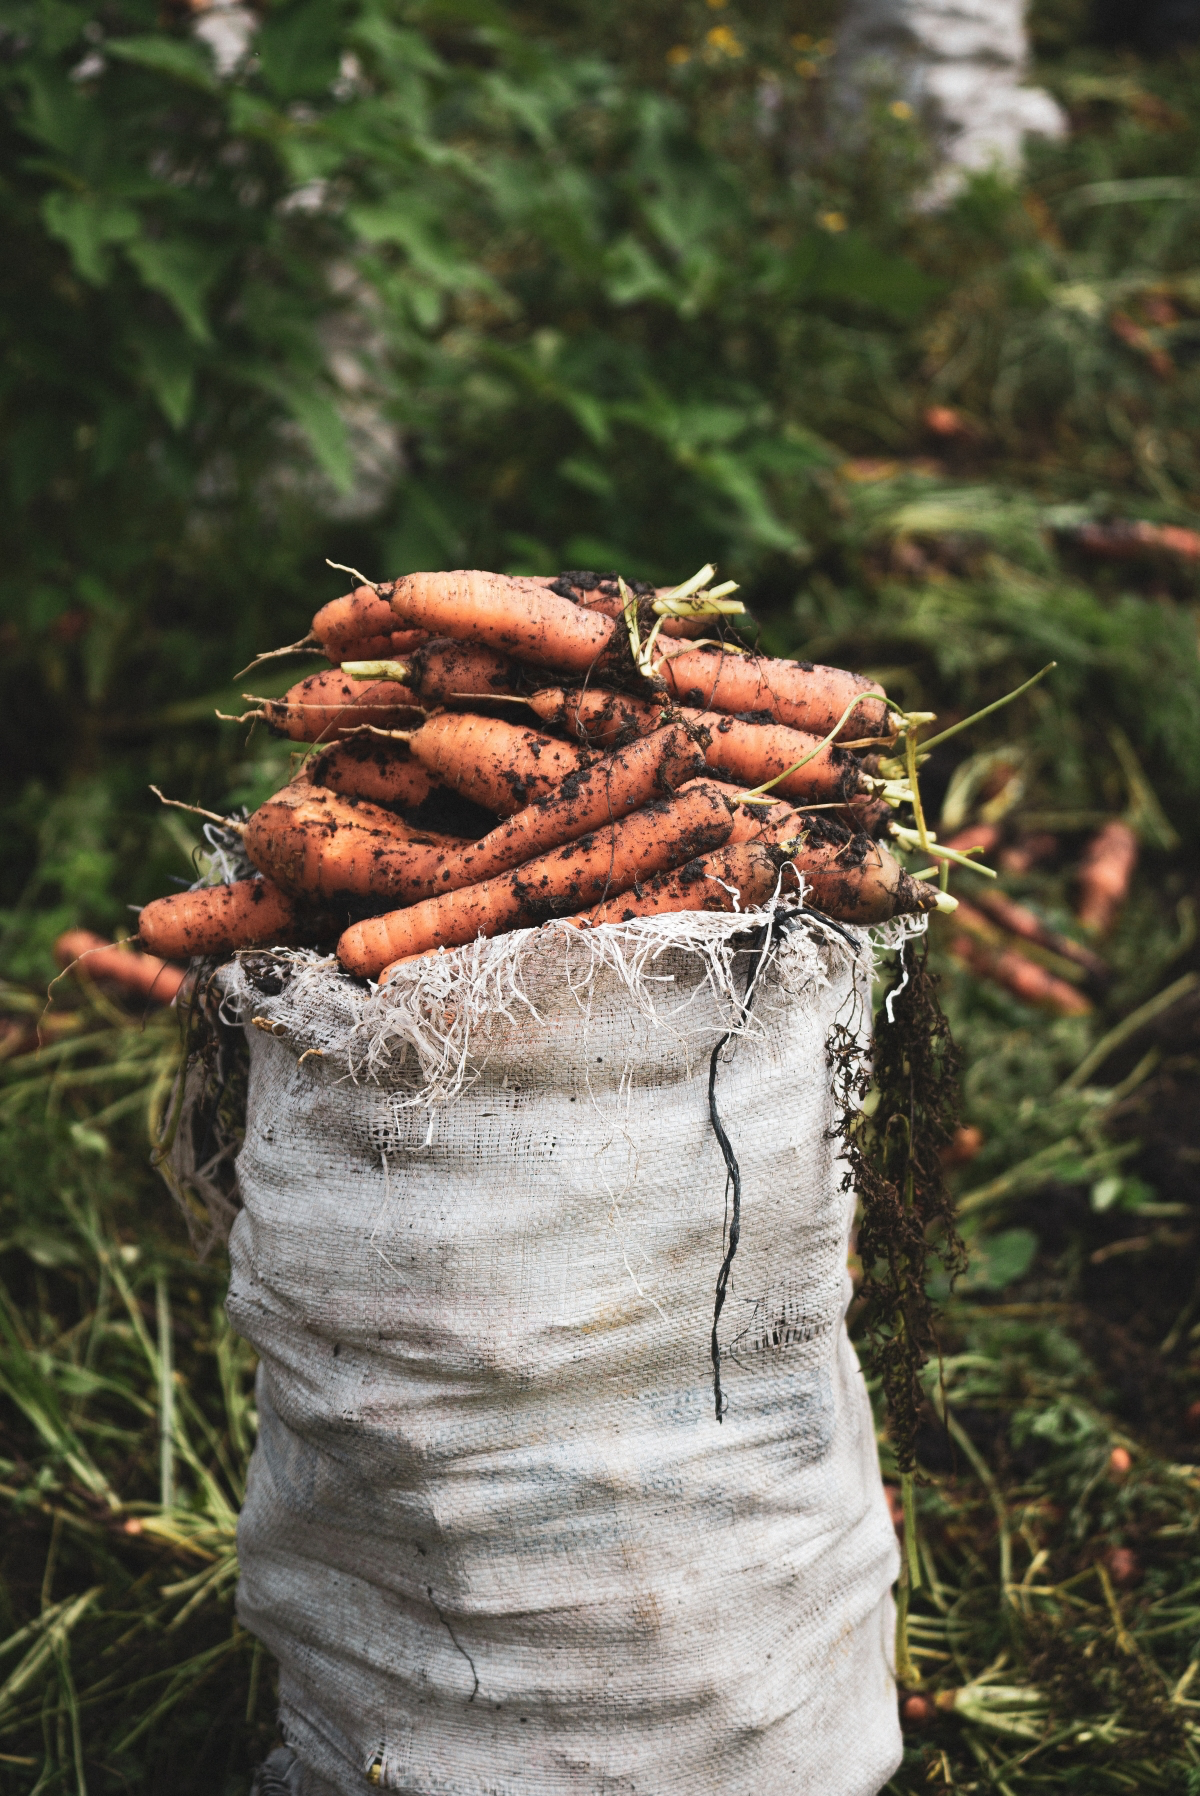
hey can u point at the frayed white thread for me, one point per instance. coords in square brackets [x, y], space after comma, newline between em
[430, 1031]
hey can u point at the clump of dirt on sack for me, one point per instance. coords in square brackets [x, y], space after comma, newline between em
[894, 1166]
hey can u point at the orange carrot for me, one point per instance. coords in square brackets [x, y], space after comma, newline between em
[1019, 975]
[587, 800]
[599, 718]
[600, 592]
[443, 669]
[1021, 922]
[846, 875]
[735, 877]
[500, 765]
[359, 627]
[749, 820]
[329, 705]
[369, 767]
[796, 693]
[666, 833]
[1105, 874]
[517, 617]
[400, 644]
[121, 962]
[311, 841]
[749, 754]
[251, 913]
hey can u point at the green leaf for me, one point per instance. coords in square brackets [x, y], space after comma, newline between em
[182, 273]
[169, 370]
[298, 49]
[999, 1260]
[320, 420]
[88, 224]
[849, 266]
[181, 58]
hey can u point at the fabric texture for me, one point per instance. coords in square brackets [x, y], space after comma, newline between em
[494, 1532]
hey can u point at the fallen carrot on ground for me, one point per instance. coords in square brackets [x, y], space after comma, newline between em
[1020, 921]
[1105, 874]
[666, 833]
[123, 963]
[251, 913]
[1019, 975]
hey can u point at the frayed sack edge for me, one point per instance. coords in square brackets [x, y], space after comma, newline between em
[425, 1036]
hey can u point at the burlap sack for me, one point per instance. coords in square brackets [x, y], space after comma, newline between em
[495, 1534]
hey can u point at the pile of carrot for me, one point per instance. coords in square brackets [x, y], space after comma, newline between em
[485, 753]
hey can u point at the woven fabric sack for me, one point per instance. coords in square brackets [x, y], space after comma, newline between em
[495, 1534]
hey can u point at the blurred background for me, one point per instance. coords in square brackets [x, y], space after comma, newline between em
[533, 287]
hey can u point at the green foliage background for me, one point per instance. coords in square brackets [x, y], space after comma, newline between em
[542, 286]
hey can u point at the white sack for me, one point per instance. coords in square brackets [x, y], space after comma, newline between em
[960, 64]
[494, 1533]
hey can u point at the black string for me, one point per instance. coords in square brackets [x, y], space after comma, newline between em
[785, 921]
[733, 1174]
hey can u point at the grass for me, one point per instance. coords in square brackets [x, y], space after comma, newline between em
[1056, 1627]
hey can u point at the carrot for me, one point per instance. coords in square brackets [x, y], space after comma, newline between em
[746, 753]
[368, 767]
[587, 800]
[747, 872]
[1021, 922]
[311, 841]
[329, 705]
[600, 592]
[796, 693]
[1105, 874]
[121, 962]
[500, 765]
[749, 820]
[846, 875]
[443, 669]
[380, 648]
[599, 718]
[666, 833]
[1019, 975]
[359, 626]
[517, 617]
[248, 914]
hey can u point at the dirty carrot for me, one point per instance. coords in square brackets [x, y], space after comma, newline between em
[218, 919]
[585, 801]
[846, 876]
[144, 974]
[311, 841]
[737, 876]
[517, 617]
[499, 765]
[750, 754]
[666, 833]
[442, 670]
[751, 819]
[369, 767]
[1019, 975]
[358, 625]
[329, 705]
[796, 693]
[1105, 873]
